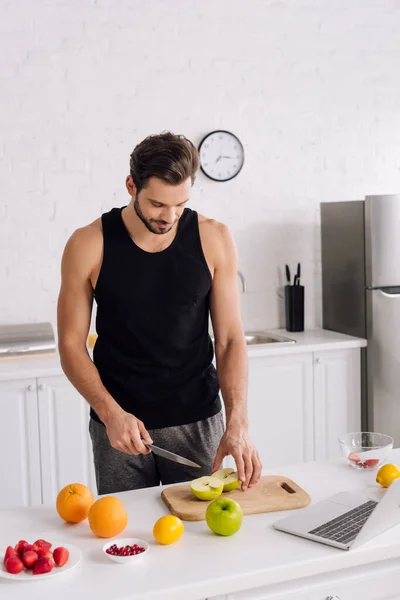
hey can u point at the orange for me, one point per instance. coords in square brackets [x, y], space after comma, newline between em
[387, 474]
[107, 517]
[73, 502]
[168, 529]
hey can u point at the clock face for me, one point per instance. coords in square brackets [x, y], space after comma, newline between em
[221, 155]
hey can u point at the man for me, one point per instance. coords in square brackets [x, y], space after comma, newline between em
[157, 270]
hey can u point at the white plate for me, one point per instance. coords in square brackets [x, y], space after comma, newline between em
[74, 558]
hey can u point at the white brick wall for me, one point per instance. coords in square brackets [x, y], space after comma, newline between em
[310, 86]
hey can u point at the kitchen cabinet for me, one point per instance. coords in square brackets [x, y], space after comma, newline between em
[20, 473]
[369, 582]
[65, 445]
[300, 403]
[44, 440]
[337, 399]
[280, 408]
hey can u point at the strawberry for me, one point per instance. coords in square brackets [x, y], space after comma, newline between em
[14, 565]
[61, 556]
[47, 553]
[30, 559]
[20, 547]
[354, 457]
[371, 462]
[31, 547]
[42, 544]
[9, 552]
[43, 565]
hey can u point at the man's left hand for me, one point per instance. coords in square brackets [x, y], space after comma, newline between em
[238, 444]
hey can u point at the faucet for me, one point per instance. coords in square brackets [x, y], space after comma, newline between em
[243, 280]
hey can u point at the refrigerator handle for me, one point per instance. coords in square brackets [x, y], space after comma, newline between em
[395, 295]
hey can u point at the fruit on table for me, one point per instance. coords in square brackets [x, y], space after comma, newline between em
[30, 559]
[20, 546]
[115, 550]
[14, 565]
[354, 457]
[42, 544]
[224, 516]
[74, 502]
[107, 517]
[43, 552]
[207, 487]
[43, 565]
[60, 556]
[10, 551]
[168, 529]
[39, 561]
[229, 477]
[387, 474]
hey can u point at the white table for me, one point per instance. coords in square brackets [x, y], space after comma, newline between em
[202, 565]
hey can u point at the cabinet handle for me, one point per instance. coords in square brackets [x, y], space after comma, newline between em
[317, 362]
[42, 387]
[31, 388]
[332, 598]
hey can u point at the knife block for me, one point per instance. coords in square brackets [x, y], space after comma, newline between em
[294, 307]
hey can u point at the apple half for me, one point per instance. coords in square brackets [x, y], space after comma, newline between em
[207, 487]
[229, 478]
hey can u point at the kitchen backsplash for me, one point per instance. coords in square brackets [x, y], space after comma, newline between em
[309, 87]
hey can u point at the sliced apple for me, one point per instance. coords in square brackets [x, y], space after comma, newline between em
[229, 477]
[207, 487]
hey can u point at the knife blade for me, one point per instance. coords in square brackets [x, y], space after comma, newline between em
[171, 455]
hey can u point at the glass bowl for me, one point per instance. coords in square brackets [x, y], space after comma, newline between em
[364, 449]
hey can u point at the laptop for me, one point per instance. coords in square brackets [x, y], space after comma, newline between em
[345, 520]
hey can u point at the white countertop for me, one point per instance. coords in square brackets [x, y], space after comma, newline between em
[307, 341]
[200, 564]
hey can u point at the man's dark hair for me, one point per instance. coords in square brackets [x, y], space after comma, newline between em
[172, 158]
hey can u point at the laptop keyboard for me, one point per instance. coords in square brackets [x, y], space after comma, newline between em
[345, 527]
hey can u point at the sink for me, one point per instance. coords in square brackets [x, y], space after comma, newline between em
[254, 338]
[257, 338]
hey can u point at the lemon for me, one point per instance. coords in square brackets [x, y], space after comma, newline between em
[387, 474]
[168, 529]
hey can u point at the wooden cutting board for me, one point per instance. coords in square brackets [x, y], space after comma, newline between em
[272, 493]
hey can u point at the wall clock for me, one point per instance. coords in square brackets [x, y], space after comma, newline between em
[221, 155]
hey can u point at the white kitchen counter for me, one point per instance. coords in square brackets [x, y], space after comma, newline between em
[307, 341]
[201, 564]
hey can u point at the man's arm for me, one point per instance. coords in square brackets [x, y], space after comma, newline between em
[231, 358]
[74, 311]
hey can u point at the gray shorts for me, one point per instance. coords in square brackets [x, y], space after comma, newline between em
[119, 472]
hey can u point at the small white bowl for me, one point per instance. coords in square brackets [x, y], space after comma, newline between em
[126, 542]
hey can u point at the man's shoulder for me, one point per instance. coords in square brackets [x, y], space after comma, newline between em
[214, 233]
[212, 228]
[86, 239]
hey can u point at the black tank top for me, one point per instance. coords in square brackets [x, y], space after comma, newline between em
[153, 351]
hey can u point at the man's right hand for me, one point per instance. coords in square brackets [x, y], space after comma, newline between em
[126, 432]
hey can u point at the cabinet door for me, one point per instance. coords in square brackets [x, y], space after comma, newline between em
[280, 407]
[19, 444]
[337, 399]
[66, 451]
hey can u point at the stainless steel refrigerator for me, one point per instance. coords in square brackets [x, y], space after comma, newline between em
[361, 296]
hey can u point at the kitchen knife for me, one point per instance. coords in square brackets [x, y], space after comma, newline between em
[287, 274]
[298, 274]
[170, 455]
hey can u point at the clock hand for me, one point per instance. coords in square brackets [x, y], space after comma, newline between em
[226, 156]
[219, 158]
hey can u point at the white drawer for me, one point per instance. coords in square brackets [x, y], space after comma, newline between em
[378, 581]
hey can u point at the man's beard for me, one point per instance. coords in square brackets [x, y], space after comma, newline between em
[148, 223]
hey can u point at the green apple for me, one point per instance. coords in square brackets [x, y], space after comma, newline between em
[207, 487]
[230, 478]
[224, 516]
